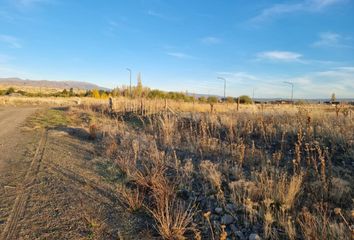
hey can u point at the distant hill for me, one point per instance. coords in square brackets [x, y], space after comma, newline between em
[18, 82]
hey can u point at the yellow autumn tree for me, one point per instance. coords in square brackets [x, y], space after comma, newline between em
[95, 93]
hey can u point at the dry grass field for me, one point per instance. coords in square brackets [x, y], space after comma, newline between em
[270, 172]
[151, 170]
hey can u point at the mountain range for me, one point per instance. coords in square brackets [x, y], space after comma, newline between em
[18, 82]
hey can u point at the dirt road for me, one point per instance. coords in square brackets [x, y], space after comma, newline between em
[51, 186]
[16, 147]
[11, 137]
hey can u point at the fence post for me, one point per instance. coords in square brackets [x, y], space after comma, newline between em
[110, 104]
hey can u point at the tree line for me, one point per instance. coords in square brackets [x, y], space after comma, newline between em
[134, 92]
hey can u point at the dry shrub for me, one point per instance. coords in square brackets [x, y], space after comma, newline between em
[126, 166]
[167, 127]
[187, 174]
[238, 146]
[251, 209]
[172, 216]
[111, 148]
[188, 168]
[268, 221]
[93, 131]
[152, 178]
[211, 173]
[319, 226]
[242, 189]
[340, 190]
[288, 225]
[270, 197]
[133, 199]
[281, 189]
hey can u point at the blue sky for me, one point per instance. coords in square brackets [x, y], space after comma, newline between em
[184, 45]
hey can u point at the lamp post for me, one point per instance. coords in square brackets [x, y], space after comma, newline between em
[130, 80]
[221, 78]
[253, 90]
[292, 90]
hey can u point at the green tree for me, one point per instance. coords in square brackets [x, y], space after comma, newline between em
[333, 97]
[10, 91]
[88, 93]
[64, 93]
[115, 92]
[244, 99]
[202, 99]
[212, 100]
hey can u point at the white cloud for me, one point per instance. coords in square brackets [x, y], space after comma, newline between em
[11, 41]
[322, 84]
[280, 56]
[320, 4]
[240, 77]
[179, 55]
[347, 69]
[311, 85]
[288, 8]
[332, 40]
[210, 40]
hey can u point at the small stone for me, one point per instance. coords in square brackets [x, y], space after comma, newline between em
[184, 194]
[230, 207]
[200, 198]
[232, 178]
[227, 219]
[218, 210]
[240, 235]
[214, 217]
[254, 236]
[233, 228]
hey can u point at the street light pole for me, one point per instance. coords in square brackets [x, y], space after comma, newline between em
[130, 79]
[221, 78]
[292, 90]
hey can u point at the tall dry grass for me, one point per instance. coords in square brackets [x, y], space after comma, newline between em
[262, 165]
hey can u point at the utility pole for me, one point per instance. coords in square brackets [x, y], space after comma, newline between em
[130, 79]
[292, 90]
[221, 78]
[253, 93]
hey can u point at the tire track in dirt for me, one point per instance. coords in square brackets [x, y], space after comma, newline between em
[19, 206]
[77, 178]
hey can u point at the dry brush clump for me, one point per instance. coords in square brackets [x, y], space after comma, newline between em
[250, 172]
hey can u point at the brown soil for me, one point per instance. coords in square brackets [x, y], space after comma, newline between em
[50, 185]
